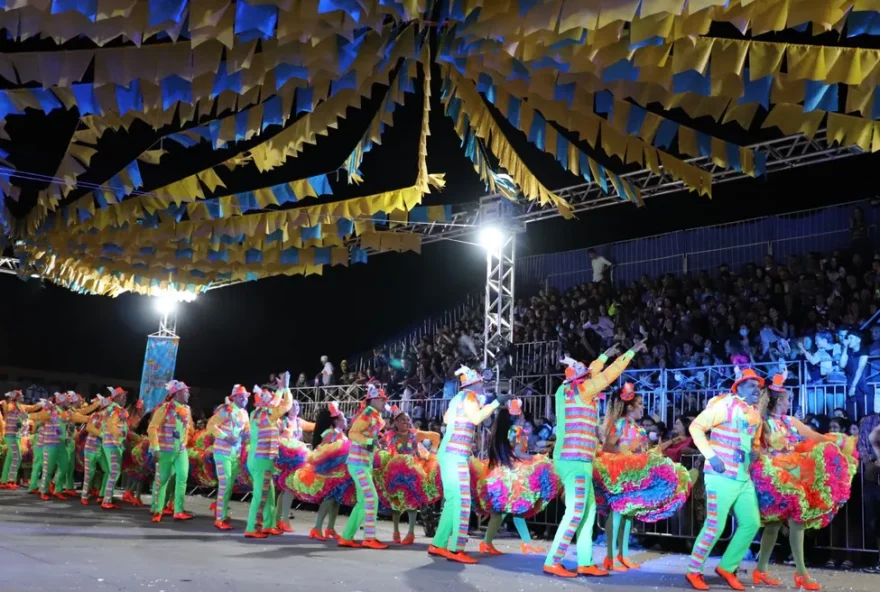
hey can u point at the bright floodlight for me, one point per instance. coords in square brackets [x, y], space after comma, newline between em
[491, 238]
[166, 304]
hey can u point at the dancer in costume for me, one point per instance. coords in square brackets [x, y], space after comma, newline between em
[464, 414]
[93, 453]
[803, 479]
[169, 433]
[364, 434]
[54, 418]
[67, 468]
[410, 478]
[292, 454]
[734, 442]
[517, 482]
[633, 481]
[264, 436]
[36, 439]
[230, 427]
[577, 440]
[133, 483]
[325, 472]
[114, 431]
[15, 420]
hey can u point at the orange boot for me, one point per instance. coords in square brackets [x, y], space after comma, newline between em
[315, 534]
[331, 534]
[697, 581]
[285, 527]
[408, 540]
[157, 518]
[611, 565]
[730, 578]
[805, 582]
[220, 525]
[558, 570]
[488, 549]
[764, 578]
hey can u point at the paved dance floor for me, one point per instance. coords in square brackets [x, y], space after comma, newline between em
[63, 546]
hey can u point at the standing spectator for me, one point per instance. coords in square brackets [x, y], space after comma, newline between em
[854, 361]
[869, 459]
[600, 264]
[326, 376]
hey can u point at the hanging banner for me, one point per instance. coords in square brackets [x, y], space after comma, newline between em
[159, 362]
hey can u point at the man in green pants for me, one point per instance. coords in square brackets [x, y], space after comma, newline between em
[114, 430]
[15, 417]
[577, 440]
[93, 455]
[733, 444]
[230, 426]
[465, 412]
[169, 432]
[264, 445]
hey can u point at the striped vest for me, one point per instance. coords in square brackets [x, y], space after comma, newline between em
[406, 444]
[781, 437]
[332, 435]
[579, 439]
[232, 422]
[50, 431]
[93, 442]
[121, 416]
[459, 437]
[359, 455]
[172, 435]
[732, 440]
[264, 434]
[13, 419]
[631, 437]
[291, 429]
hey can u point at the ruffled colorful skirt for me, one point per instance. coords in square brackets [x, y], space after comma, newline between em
[523, 489]
[134, 458]
[348, 495]
[648, 487]
[408, 482]
[202, 470]
[292, 455]
[808, 485]
[324, 475]
[79, 441]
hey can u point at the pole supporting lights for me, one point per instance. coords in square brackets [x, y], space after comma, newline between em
[167, 305]
[491, 238]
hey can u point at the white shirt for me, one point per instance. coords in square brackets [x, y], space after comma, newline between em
[600, 264]
[326, 373]
[604, 328]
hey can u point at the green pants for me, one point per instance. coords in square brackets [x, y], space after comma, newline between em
[69, 466]
[113, 458]
[367, 506]
[617, 530]
[12, 461]
[452, 528]
[580, 513]
[177, 464]
[495, 522]
[228, 468]
[263, 500]
[92, 460]
[51, 464]
[36, 467]
[722, 496]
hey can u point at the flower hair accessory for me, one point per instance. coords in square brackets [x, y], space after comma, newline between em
[514, 406]
[628, 392]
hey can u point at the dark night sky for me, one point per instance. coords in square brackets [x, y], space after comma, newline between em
[242, 333]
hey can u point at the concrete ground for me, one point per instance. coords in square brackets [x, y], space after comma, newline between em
[63, 546]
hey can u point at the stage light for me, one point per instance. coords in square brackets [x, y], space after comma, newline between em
[35, 276]
[491, 238]
[165, 304]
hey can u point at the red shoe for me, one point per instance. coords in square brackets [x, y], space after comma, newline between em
[396, 538]
[530, 549]
[168, 512]
[70, 492]
[438, 552]
[351, 544]
[558, 570]
[183, 516]
[60, 496]
[629, 564]
[97, 494]
[255, 535]
[408, 540]
[220, 525]
[806, 582]
[730, 578]
[331, 534]
[137, 503]
[273, 531]
[11, 486]
[51, 488]
[488, 549]
[84, 501]
[461, 557]
[285, 527]
[127, 497]
[763, 577]
[697, 581]
[4, 485]
[44, 497]
[611, 565]
[593, 571]
[110, 506]
[315, 534]
[374, 544]
[33, 491]
[156, 518]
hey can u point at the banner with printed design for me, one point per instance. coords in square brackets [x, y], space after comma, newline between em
[159, 362]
